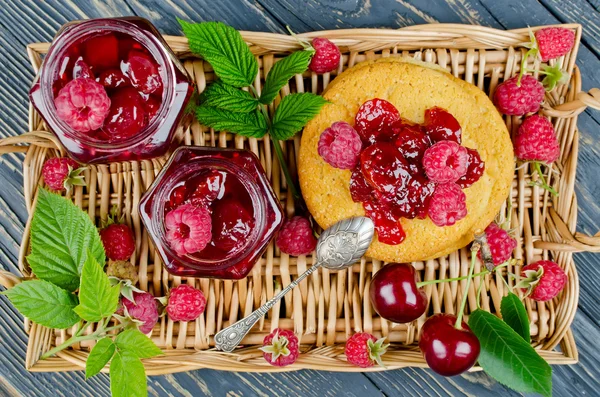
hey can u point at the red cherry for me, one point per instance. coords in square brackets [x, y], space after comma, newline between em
[385, 168]
[113, 78]
[209, 187]
[143, 72]
[475, 169]
[448, 351]
[442, 126]
[375, 119]
[126, 116]
[359, 187]
[82, 70]
[152, 106]
[395, 295]
[102, 52]
[413, 200]
[412, 143]
[177, 197]
[232, 223]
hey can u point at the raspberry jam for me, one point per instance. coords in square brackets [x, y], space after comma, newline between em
[222, 192]
[112, 90]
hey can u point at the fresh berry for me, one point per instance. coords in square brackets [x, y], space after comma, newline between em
[543, 280]
[447, 206]
[280, 347]
[185, 303]
[340, 145]
[445, 162]
[394, 293]
[375, 119]
[500, 242]
[127, 116]
[296, 237]
[189, 229]
[123, 270]
[537, 141]
[360, 190]
[442, 126]
[554, 42]
[412, 143]
[384, 168]
[389, 230]
[475, 169]
[364, 350]
[113, 78]
[232, 224]
[143, 310]
[102, 51]
[327, 56]
[62, 173]
[449, 351]
[83, 104]
[143, 72]
[118, 241]
[513, 99]
[81, 70]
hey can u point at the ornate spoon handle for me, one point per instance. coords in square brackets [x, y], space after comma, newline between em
[229, 338]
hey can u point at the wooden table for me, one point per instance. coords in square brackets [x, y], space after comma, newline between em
[26, 21]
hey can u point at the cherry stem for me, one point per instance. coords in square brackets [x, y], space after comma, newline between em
[429, 282]
[474, 249]
[543, 183]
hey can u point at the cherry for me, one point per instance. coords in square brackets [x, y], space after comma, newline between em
[412, 201]
[82, 70]
[389, 230]
[113, 78]
[475, 169]
[232, 224]
[384, 168]
[152, 106]
[210, 186]
[102, 52]
[412, 143]
[177, 197]
[395, 295]
[143, 72]
[375, 119]
[448, 350]
[126, 116]
[442, 126]
[359, 187]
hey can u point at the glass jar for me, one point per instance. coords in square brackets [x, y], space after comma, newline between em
[244, 211]
[138, 89]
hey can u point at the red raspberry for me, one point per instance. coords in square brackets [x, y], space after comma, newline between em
[512, 99]
[545, 280]
[280, 347]
[296, 237]
[375, 119]
[364, 350]
[445, 162]
[554, 42]
[189, 229]
[442, 126]
[327, 56]
[144, 310]
[475, 169]
[82, 104]
[500, 242]
[143, 72]
[185, 303]
[62, 173]
[537, 141]
[447, 206]
[340, 145]
[118, 241]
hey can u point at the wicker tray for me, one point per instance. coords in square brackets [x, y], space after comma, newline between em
[328, 307]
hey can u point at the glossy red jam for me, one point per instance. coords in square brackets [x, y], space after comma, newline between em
[112, 90]
[243, 212]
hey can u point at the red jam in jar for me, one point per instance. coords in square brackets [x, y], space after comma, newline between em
[211, 212]
[112, 90]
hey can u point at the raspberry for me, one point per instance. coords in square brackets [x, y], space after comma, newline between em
[327, 56]
[123, 270]
[296, 237]
[412, 143]
[384, 168]
[445, 162]
[118, 241]
[232, 225]
[536, 141]
[280, 347]
[144, 310]
[544, 280]
[447, 206]
[189, 229]
[442, 126]
[340, 145]
[554, 42]
[185, 303]
[512, 99]
[113, 78]
[500, 242]
[127, 116]
[82, 70]
[62, 173]
[374, 120]
[475, 169]
[82, 104]
[364, 350]
[143, 72]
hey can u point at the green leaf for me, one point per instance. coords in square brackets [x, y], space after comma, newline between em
[245, 124]
[98, 298]
[44, 303]
[292, 114]
[224, 48]
[282, 72]
[61, 235]
[514, 314]
[506, 356]
[127, 376]
[226, 97]
[99, 356]
[133, 341]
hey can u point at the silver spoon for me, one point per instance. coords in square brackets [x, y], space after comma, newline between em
[339, 247]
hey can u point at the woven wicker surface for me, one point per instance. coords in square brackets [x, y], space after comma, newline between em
[328, 307]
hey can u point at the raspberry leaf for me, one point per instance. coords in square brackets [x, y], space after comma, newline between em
[99, 356]
[98, 298]
[44, 303]
[223, 96]
[61, 234]
[294, 111]
[282, 72]
[134, 342]
[127, 375]
[514, 314]
[246, 124]
[225, 49]
[508, 358]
